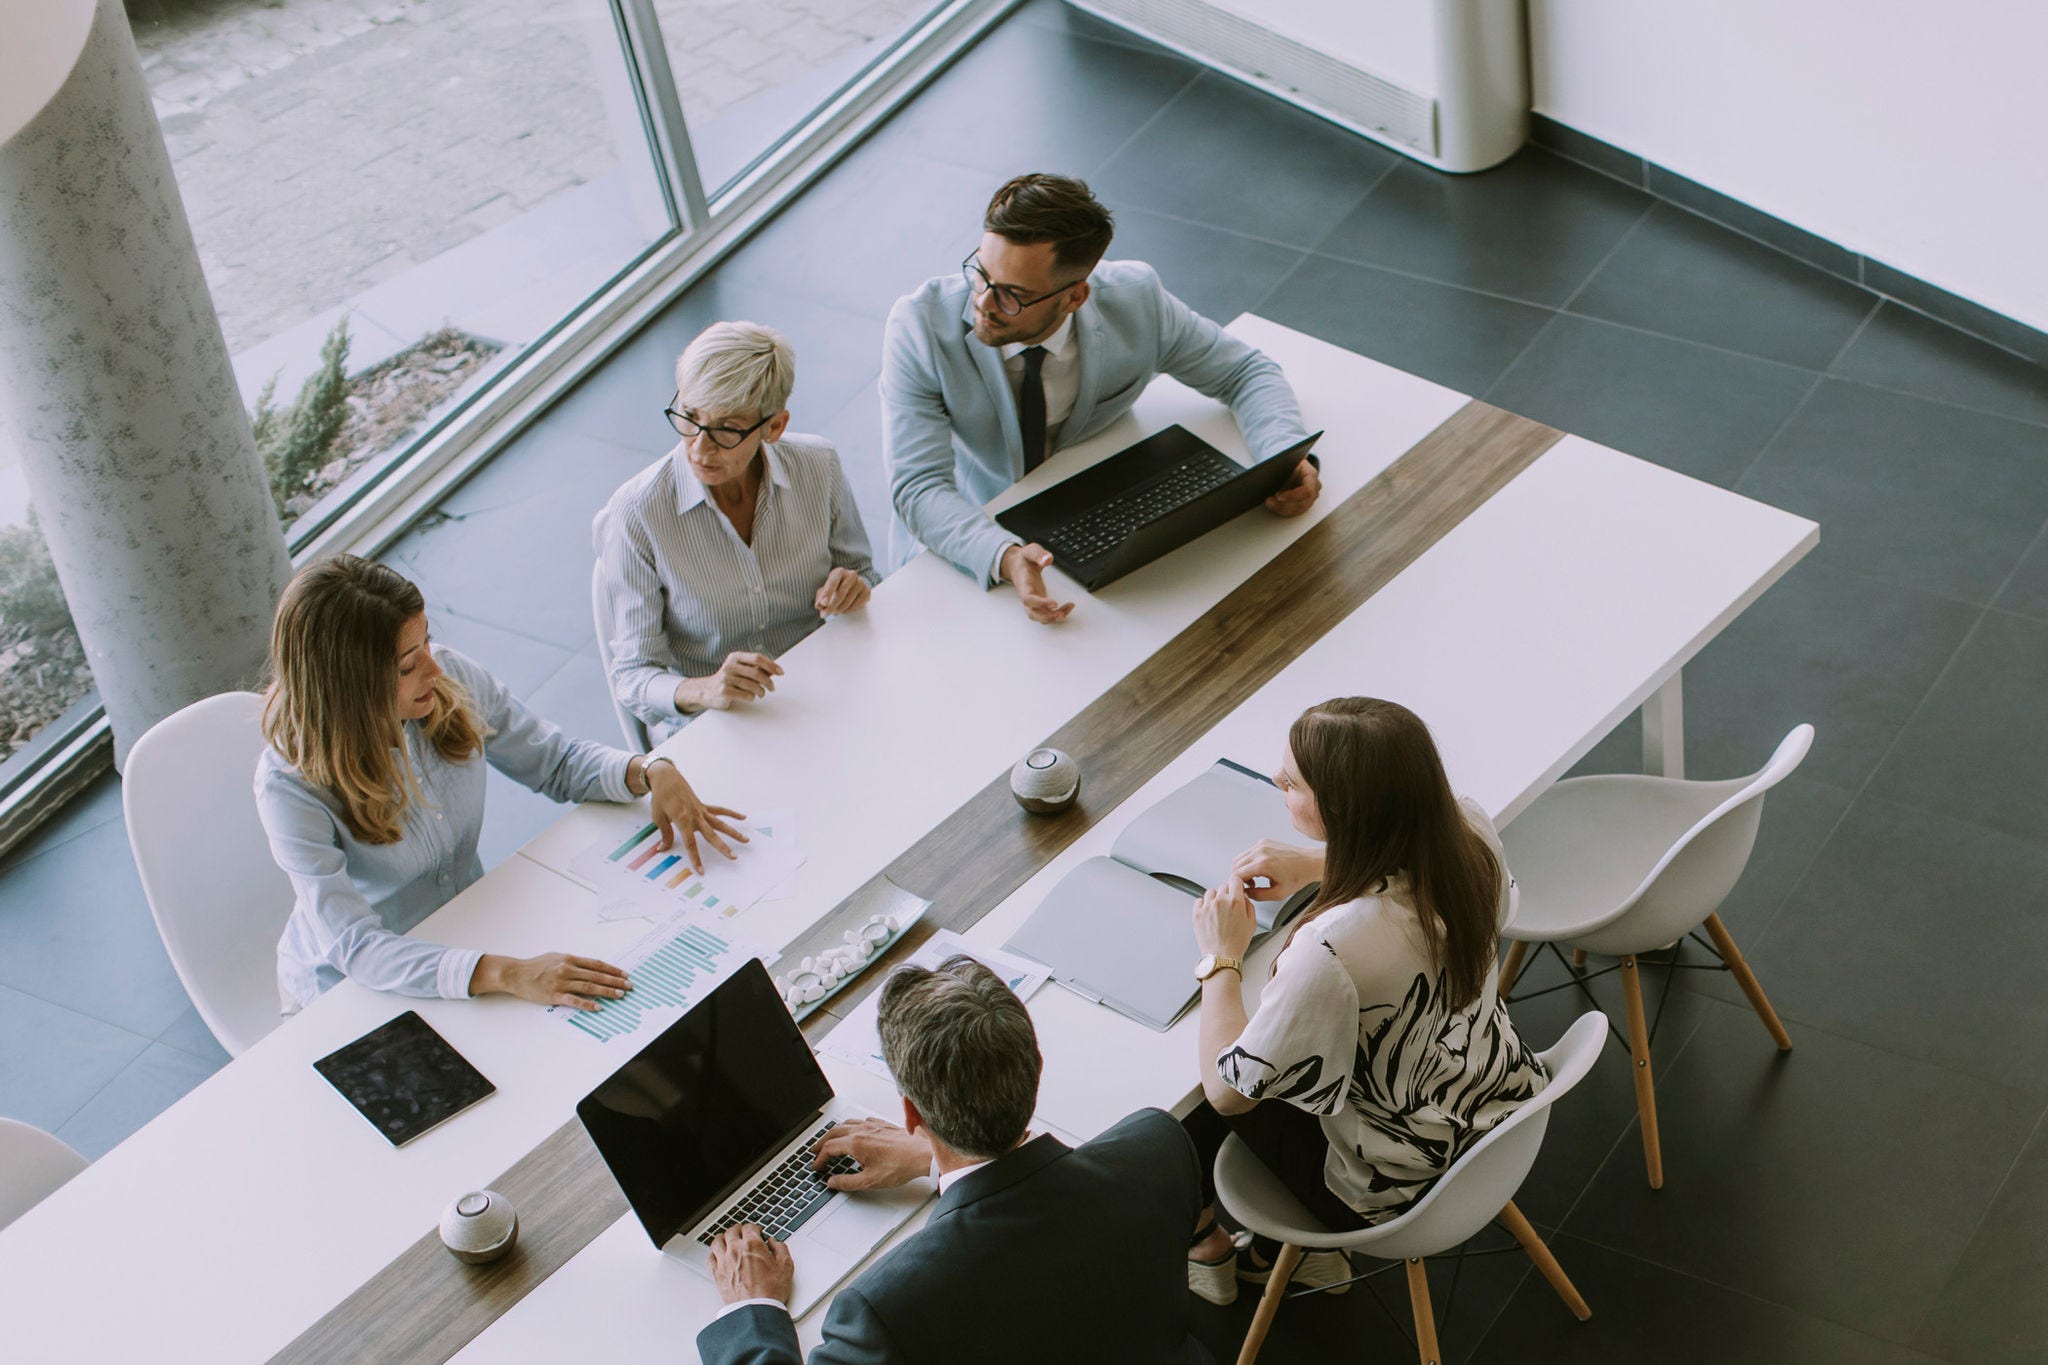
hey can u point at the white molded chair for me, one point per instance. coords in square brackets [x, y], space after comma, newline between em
[1478, 1188]
[1619, 865]
[32, 1165]
[630, 725]
[219, 899]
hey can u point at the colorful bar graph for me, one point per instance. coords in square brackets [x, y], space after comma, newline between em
[654, 873]
[630, 844]
[667, 976]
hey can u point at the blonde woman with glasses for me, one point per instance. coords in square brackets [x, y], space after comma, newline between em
[372, 792]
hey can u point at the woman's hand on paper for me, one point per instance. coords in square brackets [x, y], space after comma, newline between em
[677, 810]
[550, 979]
[1225, 921]
[1284, 869]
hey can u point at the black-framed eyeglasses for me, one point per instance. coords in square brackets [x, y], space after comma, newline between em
[689, 428]
[1008, 301]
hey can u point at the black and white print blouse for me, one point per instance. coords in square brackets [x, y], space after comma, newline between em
[1354, 1027]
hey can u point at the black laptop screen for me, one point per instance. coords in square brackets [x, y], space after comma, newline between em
[703, 1105]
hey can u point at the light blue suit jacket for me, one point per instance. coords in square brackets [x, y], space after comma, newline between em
[949, 421]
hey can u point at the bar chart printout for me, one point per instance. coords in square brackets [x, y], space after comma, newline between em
[675, 965]
[640, 870]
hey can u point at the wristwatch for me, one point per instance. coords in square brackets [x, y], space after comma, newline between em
[1212, 963]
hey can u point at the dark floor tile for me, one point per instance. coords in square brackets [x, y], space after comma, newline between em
[1995, 1308]
[1371, 1320]
[1775, 232]
[1902, 349]
[1061, 17]
[550, 457]
[1569, 142]
[856, 430]
[1595, 1124]
[1957, 311]
[1452, 336]
[1856, 951]
[189, 1034]
[1218, 274]
[75, 930]
[1196, 160]
[2026, 591]
[1686, 277]
[519, 661]
[1532, 228]
[56, 1059]
[1978, 749]
[99, 803]
[1850, 655]
[1645, 1312]
[1836, 1180]
[1914, 492]
[542, 592]
[152, 1083]
[1702, 412]
[871, 230]
[837, 351]
[1092, 96]
[578, 699]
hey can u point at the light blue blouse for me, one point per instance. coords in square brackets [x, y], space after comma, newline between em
[355, 900]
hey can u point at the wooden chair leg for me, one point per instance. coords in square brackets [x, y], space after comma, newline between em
[1578, 957]
[1724, 944]
[1639, 1057]
[1546, 1264]
[1269, 1303]
[1511, 965]
[1425, 1317]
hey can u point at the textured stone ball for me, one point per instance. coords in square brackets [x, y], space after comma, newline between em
[1045, 781]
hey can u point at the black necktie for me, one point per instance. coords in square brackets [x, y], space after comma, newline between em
[1031, 408]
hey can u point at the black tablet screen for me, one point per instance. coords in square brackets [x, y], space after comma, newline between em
[404, 1078]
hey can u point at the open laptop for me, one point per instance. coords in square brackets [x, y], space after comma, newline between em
[712, 1125]
[1145, 501]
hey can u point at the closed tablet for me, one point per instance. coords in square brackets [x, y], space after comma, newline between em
[404, 1078]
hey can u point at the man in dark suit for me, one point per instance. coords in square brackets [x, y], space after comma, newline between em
[1036, 1252]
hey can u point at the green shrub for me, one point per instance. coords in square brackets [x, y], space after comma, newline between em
[296, 442]
[31, 599]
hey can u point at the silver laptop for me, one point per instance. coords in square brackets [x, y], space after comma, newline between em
[713, 1124]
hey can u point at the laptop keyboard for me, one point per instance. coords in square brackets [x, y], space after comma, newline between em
[788, 1195]
[1102, 528]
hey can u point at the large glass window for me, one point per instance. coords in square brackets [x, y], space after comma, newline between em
[391, 200]
[751, 72]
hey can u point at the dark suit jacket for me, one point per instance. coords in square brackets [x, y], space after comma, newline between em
[1051, 1253]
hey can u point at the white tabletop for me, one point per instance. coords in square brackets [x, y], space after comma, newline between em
[1520, 638]
[259, 1201]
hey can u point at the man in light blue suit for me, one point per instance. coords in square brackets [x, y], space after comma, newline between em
[1035, 344]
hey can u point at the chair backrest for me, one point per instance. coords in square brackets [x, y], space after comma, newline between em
[630, 725]
[1481, 1182]
[1696, 873]
[32, 1165]
[219, 899]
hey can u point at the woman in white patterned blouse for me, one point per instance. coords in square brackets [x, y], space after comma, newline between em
[1381, 1050]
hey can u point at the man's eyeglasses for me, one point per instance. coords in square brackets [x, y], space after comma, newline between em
[725, 438]
[1008, 301]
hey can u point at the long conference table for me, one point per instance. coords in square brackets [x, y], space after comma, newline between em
[1521, 589]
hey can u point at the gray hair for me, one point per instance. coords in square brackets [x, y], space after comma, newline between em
[962, 1049]
[736, 367]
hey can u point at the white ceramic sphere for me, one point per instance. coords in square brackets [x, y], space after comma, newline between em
[480, 1226]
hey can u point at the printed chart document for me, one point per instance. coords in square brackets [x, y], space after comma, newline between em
[859, 1039]
[1120, 930]
[637, 877]
[671, 967]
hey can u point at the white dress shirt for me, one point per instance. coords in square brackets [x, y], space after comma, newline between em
[682, 590]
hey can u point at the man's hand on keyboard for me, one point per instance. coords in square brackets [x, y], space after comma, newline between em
[1299, 494]
[1024, 569]
[746, 1265]
[888, 1156]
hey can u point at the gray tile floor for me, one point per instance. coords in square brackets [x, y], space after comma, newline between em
[1877, 1195]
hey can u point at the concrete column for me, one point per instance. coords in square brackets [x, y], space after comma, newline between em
[116, 389]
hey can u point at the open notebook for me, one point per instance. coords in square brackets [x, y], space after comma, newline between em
[1120, 931]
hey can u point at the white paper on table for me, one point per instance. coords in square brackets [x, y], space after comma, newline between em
[726, 887]
[858, 1038]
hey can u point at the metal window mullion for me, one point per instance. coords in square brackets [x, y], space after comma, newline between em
[648, 58]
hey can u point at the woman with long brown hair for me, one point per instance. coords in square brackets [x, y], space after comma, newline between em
[1381, 1050]
[372, 792]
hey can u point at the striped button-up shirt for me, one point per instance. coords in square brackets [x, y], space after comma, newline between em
[682, 590]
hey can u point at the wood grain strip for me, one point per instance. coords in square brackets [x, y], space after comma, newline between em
[426, 1305]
